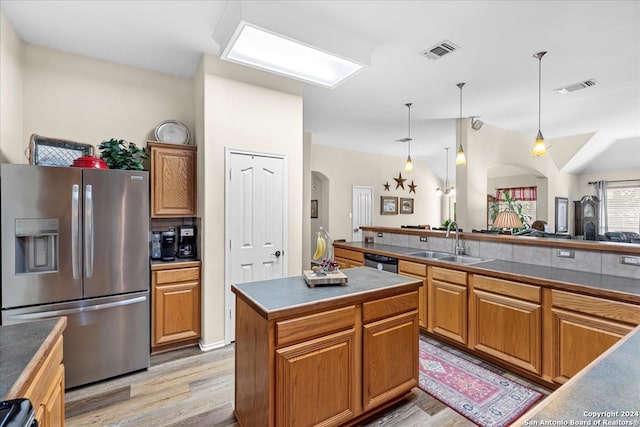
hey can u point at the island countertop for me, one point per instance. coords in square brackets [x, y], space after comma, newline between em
[277, 298]
[23, 350]
[606, 390]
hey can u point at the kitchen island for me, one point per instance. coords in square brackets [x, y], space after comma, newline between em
[329, 355]
[31, 367]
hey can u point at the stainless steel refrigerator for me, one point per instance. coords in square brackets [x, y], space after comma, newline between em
[75, 243]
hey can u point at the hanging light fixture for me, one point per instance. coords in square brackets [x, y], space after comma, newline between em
[460, 158]
[446, 190]
[408, 167]
[539, 148]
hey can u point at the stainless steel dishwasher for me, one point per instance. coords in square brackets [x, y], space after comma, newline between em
[381, 262]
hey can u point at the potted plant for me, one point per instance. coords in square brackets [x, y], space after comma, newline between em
[120, 154]
[514, 206]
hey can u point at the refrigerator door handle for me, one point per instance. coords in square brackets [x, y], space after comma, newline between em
[69, 311]
[88, 231]
[75, 230]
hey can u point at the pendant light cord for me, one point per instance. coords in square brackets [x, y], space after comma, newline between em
[539, 55]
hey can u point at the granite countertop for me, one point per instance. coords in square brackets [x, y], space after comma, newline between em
[175, 261]
[23, 349]
[273, 298]
[586, 397]
[615, 286]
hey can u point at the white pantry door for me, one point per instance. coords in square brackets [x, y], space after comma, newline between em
[255, 196]
[362, 210]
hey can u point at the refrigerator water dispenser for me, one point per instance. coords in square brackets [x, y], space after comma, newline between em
[36, 245]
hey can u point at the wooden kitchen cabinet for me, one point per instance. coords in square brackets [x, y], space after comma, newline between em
[327, 367]
[584, 327]
[505, 321]
[447, 303]
[389, 348]
[348, 259]
[46, 392]
[417, 271]
[318, 370]
[173, 180]
[175, 315]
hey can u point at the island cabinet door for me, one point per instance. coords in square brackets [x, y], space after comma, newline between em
[505, 321]
[389, 348]
[316, 381]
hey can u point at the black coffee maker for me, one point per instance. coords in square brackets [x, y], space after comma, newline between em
[168, 249]
[187, 241]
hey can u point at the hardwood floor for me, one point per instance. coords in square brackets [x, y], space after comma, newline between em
[190, 388]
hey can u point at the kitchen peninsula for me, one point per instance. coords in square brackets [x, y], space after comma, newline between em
[329, 355]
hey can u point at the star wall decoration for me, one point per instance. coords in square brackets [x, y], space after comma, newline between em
[399, 181]
[386, 186]
[412, 188]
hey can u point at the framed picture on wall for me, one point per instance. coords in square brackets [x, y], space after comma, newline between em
[314, 209]
[562, 214]
[406, 205]
[388, 205]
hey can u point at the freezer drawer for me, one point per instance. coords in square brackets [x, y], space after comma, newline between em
[105, 337]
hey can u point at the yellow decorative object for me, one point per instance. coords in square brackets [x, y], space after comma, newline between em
[321, 245]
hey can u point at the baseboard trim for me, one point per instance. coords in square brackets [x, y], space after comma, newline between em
[212, 346]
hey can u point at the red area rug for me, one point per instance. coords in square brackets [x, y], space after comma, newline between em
[484, 397]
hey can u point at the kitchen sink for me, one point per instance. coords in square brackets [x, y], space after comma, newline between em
[429, 254]
[462, 259]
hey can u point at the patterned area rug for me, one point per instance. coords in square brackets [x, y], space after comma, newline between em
[482, 396]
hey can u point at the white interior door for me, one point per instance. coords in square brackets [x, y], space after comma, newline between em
[255, 223]
[362, 210]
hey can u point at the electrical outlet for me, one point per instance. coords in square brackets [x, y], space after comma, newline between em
[423, 238]
[565, 253]
[379, 234]
[630, 260]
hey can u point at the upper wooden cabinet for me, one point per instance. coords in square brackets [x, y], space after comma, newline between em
[173, 180]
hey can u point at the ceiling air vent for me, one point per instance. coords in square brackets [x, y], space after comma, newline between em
[577, 86]
[443, 48]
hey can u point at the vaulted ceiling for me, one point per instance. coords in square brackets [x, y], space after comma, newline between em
[585, 39]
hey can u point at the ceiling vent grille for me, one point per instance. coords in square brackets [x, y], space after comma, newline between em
[577, 86]
[443, 48]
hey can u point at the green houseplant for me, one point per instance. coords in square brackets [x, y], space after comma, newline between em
[121, 154]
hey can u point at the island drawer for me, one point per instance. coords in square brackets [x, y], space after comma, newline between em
[314, 325]
[390, 306]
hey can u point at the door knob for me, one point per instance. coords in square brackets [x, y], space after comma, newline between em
[277, 254]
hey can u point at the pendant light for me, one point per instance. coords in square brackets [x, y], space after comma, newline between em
[446, 190]
[408, 167]
[539, 148]
[460, 157]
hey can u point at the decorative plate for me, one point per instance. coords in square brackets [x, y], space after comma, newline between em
[173, 132]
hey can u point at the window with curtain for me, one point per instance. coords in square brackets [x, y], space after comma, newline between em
[623, 206]
[526, 196]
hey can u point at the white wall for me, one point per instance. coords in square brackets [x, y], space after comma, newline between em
[253, 111]
[490, 147]
[12, 144]
[346, 168]
[86, 100]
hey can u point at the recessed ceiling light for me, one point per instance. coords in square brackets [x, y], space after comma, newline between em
[259, 48]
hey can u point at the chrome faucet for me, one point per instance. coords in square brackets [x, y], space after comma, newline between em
[459, 249]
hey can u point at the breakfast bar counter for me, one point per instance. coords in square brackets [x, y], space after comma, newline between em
[327, 355]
